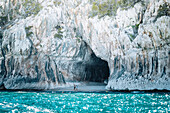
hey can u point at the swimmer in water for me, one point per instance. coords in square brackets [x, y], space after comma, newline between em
[74, 87]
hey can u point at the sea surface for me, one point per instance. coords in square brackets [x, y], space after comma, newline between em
[84, 102]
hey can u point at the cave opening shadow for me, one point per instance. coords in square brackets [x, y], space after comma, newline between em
[96, 70]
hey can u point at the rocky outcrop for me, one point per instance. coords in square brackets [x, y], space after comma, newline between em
[135, 43]
[37, 53]
[62, 42]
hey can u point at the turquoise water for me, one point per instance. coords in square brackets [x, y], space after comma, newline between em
[84, 102]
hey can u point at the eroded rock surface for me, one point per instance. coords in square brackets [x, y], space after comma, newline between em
[61, 42]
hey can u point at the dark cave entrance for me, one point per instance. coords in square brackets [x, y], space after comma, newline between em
[92, 68]
[97, 70]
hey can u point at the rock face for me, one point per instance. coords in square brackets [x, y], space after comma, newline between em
[61, 42]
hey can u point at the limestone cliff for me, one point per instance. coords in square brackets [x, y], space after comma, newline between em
[47, 43]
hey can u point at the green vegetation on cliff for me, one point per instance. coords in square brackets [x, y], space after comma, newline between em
[12, 10]
[59, 33]
[31, 7]
[164, 10]
[109, 7]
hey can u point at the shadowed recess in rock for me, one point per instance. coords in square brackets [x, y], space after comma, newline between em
[97, 70]
[93, 69]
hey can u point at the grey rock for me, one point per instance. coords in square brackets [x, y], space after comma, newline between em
[58, 44]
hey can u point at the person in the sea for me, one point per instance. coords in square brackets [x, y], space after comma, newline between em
[74, 87]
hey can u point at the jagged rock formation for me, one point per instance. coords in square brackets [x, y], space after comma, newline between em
[63, 41]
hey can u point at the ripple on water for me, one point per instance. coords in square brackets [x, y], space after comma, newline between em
[83, 102]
